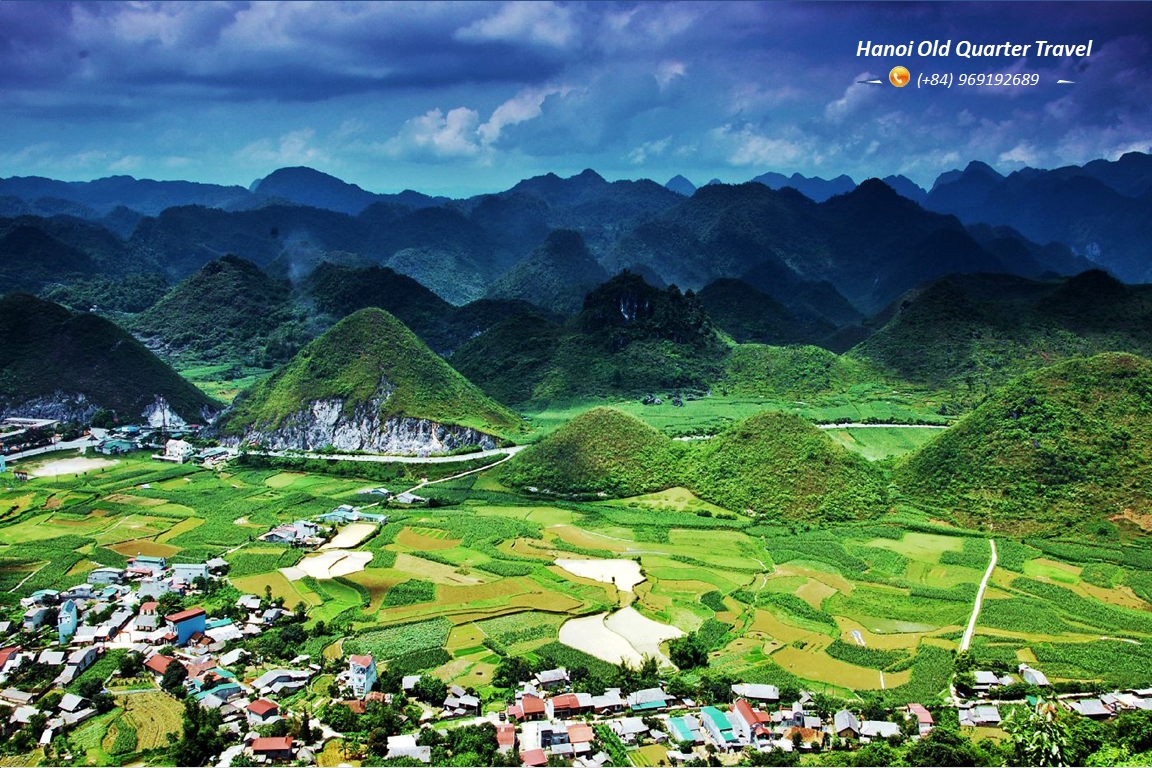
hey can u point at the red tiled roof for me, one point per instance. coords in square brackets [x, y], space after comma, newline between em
[534, 757]
[923, 716]
[565, 701]
[506, 735]
[531, 705]
[7, 653]
[357, 706]
[272, 744]
[580, 733]
[159, 663]
[149, 607]
[361, 660]
[750, 715]
[191, 613]
[261, 707]
[515, 712]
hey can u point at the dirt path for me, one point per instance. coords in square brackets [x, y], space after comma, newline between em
[25, 579]
[510, 451]
[971, 630]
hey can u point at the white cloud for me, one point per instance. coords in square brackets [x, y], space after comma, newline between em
[543, 23]
[855, 95]
[649, 149]
[126, 163]
[439, 135]
[1023, 153]
[667, 71]
[525, 106]
[744, 146]
[293, 148]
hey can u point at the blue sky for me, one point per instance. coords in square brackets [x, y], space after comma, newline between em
[460, 98]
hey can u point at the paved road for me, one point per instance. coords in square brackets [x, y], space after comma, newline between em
[61, 446]
[854, 425]
[383, 459]
[851, 425]
[967, 639]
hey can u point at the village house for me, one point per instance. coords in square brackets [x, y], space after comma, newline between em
[67, 620]
[986, 681]
[1092, 708]
[846, 725]
[34, 618]
[757, 692]
[187, 573]
[361, 674]
[550, 679]
[686, 728]
[106, 576]
[281, 682]
[143, 565]
[405, 746]
[505, 738]
[262, 712]
[924, 719]
[528, 708]
[751, 726]
[77, 661]
[459, 703]
[871, 730]
[273, 748]
[979, 715]
[648, 700]
[1033, 676]
[567, 705]
[176, 451]
[719, 728]
[184, 624]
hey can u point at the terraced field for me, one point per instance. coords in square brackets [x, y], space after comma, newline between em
[449, 589]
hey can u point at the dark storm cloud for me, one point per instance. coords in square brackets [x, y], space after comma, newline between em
[467, 96]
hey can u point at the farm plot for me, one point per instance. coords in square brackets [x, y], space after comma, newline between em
[350, 535]
[625, 636]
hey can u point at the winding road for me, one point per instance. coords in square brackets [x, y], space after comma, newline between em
[967, 639]
[386, 459]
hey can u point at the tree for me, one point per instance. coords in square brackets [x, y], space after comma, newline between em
[430, 690]
[773, 757]
[688, 652]
[1040, 736]
[944, 747]
[174, 676]
[131, 665]
[200, 740]
[510, 672]
[170, 602]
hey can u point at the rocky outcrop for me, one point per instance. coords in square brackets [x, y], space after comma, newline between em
[159, 414]
[76, 407]
[62, 406]
[327, 424]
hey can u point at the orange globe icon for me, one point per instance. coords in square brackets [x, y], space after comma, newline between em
[899, 77]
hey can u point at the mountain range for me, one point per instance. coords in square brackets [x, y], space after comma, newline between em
[868, 242]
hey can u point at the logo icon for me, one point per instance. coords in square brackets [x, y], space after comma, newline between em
[899, 77]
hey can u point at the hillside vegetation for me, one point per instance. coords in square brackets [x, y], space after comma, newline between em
[228, 310]
[630, 338]
[50, 356]
[369, 359]
[972, 332]
[600, 451]
[779, 464]
[800, 371]
[1057, 448]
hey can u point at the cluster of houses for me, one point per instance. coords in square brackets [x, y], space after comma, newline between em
[118, 608]
[169, 444]
[984, 712]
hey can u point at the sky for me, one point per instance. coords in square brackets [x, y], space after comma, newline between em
[463, 98]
